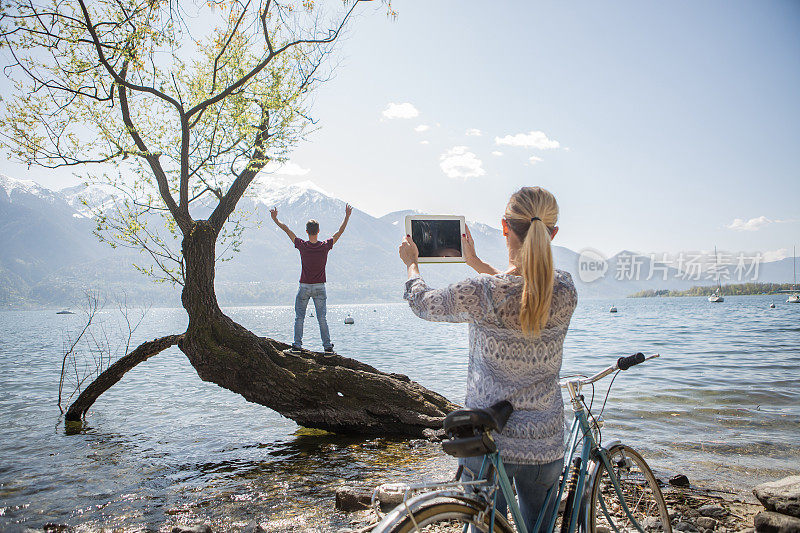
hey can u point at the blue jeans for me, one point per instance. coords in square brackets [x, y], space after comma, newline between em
[315, 291]
[532, 483]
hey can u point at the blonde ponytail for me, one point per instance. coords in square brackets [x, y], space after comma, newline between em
[532, 214]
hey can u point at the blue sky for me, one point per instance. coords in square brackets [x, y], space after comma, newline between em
[672, 120]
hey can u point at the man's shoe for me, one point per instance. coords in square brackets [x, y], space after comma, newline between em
[330, 350]
[294, 350]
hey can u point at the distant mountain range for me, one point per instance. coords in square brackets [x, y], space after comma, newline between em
[49, 256]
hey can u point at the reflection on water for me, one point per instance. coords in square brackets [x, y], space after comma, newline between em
[722, 405]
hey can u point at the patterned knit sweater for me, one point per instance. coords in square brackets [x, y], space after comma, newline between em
[504, 363]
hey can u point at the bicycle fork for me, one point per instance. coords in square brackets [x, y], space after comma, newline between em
[618, 489]
[591, 448]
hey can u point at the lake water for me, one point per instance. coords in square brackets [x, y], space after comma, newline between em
[722, 405]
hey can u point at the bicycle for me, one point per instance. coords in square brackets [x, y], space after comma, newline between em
[608, 488]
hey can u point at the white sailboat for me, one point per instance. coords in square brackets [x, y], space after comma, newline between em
[716, 297]
[794, 298]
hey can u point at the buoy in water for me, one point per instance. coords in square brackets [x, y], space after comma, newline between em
[772, 305]
[613, 309]
[349, 320]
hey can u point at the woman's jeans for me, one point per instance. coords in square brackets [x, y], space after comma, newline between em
[315, 291]
[531, 481]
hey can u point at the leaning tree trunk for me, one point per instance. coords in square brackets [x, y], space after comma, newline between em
[315, 390]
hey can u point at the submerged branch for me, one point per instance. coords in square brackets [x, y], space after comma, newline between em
[114, 373]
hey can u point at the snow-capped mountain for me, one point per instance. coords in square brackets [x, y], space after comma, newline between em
[271, 191]
[85, 198]
[28, 193]
[13, 186]
[50, 256]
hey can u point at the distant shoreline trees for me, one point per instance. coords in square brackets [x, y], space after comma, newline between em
[737, 289]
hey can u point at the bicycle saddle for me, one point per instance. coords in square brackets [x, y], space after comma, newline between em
[468, 429]
[469, 421]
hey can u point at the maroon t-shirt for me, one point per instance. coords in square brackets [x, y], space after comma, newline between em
[313, 257]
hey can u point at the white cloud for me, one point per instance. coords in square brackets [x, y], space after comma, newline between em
[424, 142]
[287, 169]
[534, 139]
[754, 224]
[421, 128]
[533, 159]
[496, 153]
[473, 132]
[775, 255]
[404, 110]
[459, 162]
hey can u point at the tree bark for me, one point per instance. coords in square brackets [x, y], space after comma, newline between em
[114, 373]
[315, 390]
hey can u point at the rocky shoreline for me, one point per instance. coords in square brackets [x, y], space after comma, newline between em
[343, 506]
[692, 510]
[773, 507]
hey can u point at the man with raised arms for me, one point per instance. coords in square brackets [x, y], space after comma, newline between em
[313, 258]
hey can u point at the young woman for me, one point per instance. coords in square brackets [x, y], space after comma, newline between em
[517, 323]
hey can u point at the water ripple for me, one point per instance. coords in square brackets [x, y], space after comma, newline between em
[722, 404]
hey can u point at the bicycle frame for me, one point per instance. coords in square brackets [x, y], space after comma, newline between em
[505, 484]
[590, 450]
[581, 434]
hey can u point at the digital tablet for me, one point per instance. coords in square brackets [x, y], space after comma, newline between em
[438, 237]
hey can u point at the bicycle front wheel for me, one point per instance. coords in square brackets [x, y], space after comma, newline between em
[641, 492]
[450, 517]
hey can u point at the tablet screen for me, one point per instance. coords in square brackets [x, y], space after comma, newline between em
[437, 238]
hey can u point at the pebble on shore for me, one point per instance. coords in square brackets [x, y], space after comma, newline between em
[198, 528]
[781, 499]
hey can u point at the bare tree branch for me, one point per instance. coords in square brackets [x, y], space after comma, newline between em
[114, 373]
[259, 159]
[114, 74]
[92, 307]
[181, 217]
[332, 35]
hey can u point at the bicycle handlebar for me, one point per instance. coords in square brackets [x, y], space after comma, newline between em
[624, 363]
